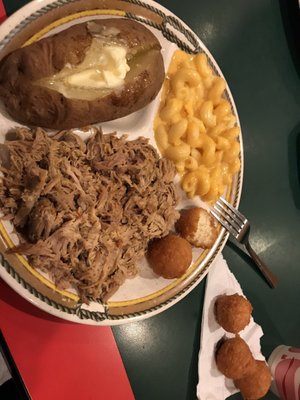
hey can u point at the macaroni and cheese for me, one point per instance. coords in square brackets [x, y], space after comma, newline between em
[195, 127]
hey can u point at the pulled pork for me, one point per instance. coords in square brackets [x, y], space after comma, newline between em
[85, 211]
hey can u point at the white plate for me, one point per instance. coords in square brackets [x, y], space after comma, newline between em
[146, 294]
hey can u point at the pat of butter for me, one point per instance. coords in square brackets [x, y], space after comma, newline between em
[108, 72]
[103, 69]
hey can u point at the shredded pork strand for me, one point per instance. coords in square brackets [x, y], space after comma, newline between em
[85, 211]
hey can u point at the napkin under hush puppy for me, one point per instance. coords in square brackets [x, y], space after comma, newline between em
[234, 358]
[169, 256]
[233, 312]
[255, 385]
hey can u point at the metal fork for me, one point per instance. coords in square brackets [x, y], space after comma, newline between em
[239, 227]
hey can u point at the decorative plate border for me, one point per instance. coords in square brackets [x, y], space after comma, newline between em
[192, 45]
[169, 34]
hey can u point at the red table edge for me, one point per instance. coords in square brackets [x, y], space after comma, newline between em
[2, 12]
[13, 303]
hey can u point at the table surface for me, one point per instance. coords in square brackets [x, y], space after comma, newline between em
[253, 44]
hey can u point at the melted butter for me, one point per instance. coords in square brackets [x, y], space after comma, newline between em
[103, 69]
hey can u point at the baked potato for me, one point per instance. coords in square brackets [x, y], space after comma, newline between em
[89, 73]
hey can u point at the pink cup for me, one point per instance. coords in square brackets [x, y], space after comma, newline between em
[284, 363]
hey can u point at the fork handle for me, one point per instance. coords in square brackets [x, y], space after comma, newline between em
[267, 273]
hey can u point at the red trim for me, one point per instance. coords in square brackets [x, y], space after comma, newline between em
[2, 12]
[59, 359]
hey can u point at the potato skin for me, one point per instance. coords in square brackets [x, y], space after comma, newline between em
[32, 104]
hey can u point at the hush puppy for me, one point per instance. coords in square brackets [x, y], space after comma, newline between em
[198, 227]
[255, 385]
[233, 312]
[170, 256]
[234, 358]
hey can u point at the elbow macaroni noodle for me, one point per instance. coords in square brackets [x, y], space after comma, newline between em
[196, 129]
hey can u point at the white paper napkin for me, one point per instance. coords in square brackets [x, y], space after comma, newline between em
[212, 384]
[4, 374]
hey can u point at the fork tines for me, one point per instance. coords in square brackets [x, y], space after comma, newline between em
[236, 224]
[232, 220]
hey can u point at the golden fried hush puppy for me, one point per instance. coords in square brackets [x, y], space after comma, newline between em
[197, 226]
[233, 312]
[255, 385]
[170, 256]
[234, 358]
